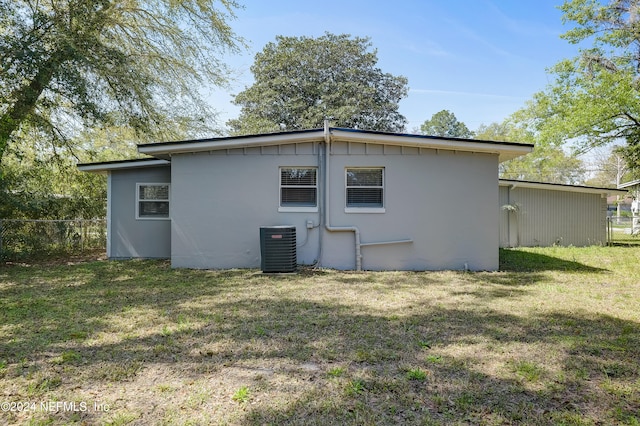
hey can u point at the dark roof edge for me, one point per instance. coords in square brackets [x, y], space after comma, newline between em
[106, 163]
[561, 185]
[342, 129]
[222, 138]
[418, 136]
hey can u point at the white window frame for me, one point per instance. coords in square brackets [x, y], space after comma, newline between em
[297, 209]
[138, 200]
[354, 209]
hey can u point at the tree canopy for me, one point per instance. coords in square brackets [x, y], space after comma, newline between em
[547, 163]
[69, 65]
[300, 81]
[595, 98]
[445, 123]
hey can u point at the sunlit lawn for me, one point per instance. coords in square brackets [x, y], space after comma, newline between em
[552, 339]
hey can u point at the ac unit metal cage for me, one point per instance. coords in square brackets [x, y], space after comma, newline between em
[278, 248]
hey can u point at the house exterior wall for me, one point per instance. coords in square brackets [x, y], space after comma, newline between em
[548, 217]
[220, 200]
[130, 237]
[443, 201]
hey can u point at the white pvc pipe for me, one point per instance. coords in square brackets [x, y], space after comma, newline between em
[327, 197]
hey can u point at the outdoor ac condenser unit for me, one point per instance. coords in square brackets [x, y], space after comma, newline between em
[278, 248]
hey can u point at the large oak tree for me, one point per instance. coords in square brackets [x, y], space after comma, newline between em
[300, 81]
[69, 65]
[445, 123]
[595, 98]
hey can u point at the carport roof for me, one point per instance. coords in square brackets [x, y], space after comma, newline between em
[514, 183]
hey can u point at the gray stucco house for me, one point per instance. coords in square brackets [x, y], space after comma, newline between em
[358, 200]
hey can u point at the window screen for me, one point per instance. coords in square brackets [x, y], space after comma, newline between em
[298, 187]
[365, 187]
[153, 200]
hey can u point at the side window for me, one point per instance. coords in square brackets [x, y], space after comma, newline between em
[298, 189]
[365, 189]
[152, 201]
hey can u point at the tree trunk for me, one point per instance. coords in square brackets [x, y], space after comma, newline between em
[25, 101]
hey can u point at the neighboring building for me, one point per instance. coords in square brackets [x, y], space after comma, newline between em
[358, 200]
[634, 190]
[616, 203]
[544, 214]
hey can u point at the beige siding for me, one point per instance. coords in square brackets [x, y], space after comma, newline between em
[504, 217]
[552, 217]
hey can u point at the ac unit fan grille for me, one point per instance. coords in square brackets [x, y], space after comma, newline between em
[278, 248]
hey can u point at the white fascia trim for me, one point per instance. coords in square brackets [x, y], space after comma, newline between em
[628, 184]
[245, 142]
[559, 187]
[105, 167]
[505, 151]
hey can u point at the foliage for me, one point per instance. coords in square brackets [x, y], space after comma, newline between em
[610, 168]
[444, 123]
[594, 98]
[69, 65]
[43, 184]
[301, 81]
[38, 239]
[241, 395]
[548, 162]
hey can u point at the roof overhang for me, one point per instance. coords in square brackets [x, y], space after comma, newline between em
[504, 150]
[122, 165]
[167, 149]
[561, 187]
[629, 184]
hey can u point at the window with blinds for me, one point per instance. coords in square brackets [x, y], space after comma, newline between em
[298, 187]
[365, 187]
[152, 201]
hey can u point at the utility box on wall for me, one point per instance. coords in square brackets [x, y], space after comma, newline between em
[278, 248]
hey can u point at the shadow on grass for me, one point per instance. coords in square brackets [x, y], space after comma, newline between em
[514, 260]
[219, 322]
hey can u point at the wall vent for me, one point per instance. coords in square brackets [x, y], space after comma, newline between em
[278, 248]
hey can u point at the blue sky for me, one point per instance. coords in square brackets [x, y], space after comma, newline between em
[480, 59]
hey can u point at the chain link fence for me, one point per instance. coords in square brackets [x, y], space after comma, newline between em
[21, 239]
[623, 231]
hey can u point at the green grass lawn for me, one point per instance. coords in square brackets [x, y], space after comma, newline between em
[552, 339]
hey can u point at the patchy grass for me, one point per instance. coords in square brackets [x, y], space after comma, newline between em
[552, 339]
